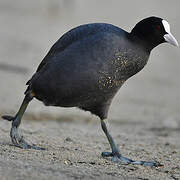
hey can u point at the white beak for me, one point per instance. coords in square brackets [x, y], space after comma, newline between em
[171, 39]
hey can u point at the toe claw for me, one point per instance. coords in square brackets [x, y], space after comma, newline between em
[106, 154]
[152, 164]
[9, 118]
[19, 141]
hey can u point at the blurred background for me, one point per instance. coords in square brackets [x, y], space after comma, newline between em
[29, 28]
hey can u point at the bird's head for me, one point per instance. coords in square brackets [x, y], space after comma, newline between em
[153, 31]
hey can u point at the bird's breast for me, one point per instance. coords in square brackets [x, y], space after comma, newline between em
[122, 66]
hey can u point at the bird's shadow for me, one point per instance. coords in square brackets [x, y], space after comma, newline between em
[164, 131]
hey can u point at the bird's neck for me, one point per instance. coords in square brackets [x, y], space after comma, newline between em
[146, 41]
[131, 62]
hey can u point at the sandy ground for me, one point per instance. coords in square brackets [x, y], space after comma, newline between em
[144, 117]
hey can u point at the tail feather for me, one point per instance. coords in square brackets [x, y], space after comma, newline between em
[28, 82]
[27, 90]
[9, 118]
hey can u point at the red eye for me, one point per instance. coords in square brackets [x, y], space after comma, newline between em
[158, 27]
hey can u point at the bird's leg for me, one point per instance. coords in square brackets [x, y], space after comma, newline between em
[16, 138]
[115, 154]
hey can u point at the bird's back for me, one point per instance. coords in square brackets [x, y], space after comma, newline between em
[77, 34]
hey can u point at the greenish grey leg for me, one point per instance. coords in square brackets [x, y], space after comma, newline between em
[115, 154]
[16, 138]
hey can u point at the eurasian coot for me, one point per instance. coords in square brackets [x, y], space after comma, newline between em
[87, 66]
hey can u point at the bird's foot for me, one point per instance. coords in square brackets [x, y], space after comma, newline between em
[19, 141]
[16, 138]
[117, 157]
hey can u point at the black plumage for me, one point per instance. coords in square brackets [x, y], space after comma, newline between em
[87, 66]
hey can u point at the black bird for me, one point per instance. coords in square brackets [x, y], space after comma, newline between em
[87, 66]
